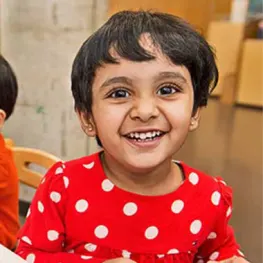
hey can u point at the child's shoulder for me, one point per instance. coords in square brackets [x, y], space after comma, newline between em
[73, 170]
[78, 168]
[87, 162]
[6, 159]
[3, 148]
[199, 175]
[206, 182]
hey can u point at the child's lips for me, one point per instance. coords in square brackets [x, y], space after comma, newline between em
[144, 135]
[138, 143]
[144, 131]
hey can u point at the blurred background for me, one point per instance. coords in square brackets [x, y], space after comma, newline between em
[40, 40]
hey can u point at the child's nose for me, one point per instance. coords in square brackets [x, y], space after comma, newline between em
[144, 109]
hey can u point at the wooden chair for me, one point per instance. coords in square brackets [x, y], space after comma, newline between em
[26, 156]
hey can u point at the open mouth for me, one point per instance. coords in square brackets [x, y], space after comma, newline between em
[144, 136]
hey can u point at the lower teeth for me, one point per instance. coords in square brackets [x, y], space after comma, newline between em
[144, 140]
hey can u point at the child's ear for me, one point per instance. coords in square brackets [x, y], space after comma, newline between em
[87, 123]
[2, 118]
[195, 119]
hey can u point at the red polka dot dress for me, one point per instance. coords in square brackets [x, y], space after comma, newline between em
[78, 215]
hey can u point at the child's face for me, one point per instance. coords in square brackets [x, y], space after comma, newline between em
[139, 99]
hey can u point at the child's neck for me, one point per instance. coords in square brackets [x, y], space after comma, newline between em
[161, 180]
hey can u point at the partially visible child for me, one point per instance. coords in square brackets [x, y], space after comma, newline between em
[139, 85]
[9, 219]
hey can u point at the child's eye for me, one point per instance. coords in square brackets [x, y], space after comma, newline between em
[167, 90]
[120, 93]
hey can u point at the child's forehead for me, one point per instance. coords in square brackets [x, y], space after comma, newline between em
[146, 42]
[141, 72]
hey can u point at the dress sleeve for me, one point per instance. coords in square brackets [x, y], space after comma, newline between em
[41, 240]
[9, 222]
[5, 235]
[220, 243]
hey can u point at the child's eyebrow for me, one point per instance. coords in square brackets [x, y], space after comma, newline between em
[115, 80]
[127, 81]
[171, 74]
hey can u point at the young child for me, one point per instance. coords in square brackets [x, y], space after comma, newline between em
[139, 84]
[9, 220]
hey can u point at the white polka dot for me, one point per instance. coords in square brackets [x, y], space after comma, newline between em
[214, 256]
[27, 240]
[200, 261]
[86, 257]
[66, 181]
[195, 227]
[240, 253]
[160, 256]
[193, 178]
[63, 166]
[101, 231]
[212, 235]
[151, 232]
[43, 180]
[173, 251]
[90, 247]
[71, 251]
[126, 254]
[107, 185]
[52, 235]
[223, 182]
[40, 207]
[177, 206]
[215, 198]
[89, 166]
[28, 212]
[59, 170]
[55, 197]
[81, 206]
[229, 211]
[130, 209]
[31, 258]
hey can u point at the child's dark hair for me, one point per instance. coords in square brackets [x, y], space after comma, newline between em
[182, 44]
[8, 87]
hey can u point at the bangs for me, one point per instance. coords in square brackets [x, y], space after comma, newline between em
[124, 38]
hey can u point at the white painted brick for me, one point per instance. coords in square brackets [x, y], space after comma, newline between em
[26, 15]
[74, 15]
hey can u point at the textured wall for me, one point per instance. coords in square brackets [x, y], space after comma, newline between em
[40, 39]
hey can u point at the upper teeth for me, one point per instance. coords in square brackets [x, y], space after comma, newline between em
[144, 135]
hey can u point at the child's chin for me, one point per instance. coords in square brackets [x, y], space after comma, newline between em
[143, 163]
